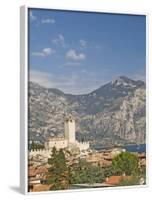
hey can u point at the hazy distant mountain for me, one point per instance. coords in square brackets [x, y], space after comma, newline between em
[114, 113]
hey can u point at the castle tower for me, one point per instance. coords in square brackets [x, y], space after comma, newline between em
[69, 129]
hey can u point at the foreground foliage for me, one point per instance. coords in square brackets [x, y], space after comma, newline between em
[125, 163]
[58, 172]
[62, 175]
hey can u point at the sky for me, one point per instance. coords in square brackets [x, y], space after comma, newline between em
[77, 52]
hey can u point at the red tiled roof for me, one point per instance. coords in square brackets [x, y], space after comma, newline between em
[41, 188]
[34, 171]
[31, 171]
[41, 169]
[114, 180]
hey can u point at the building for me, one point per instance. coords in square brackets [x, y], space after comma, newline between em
[35, 177]
[103, 158]
[68, 141]
[142, 160]
[116, 180]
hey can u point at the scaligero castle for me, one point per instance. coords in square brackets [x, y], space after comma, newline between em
[68, 141]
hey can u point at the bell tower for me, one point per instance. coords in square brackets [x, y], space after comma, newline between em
[69, 129]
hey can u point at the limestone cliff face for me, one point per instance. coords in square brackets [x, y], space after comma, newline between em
[114, 113]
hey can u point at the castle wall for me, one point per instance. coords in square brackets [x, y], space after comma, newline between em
[83, 145]
[43, 155]
[59, 144]
[42, 152]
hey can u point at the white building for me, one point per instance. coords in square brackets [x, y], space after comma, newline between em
[68, 141]
[69, 129]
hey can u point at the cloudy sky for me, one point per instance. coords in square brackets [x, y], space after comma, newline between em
[78, 52]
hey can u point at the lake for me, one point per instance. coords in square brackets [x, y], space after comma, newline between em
[130, 148]
[135, 148]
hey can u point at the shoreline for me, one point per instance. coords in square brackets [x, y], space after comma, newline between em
[135, 147]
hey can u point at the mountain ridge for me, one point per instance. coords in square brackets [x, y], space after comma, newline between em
[110, 114]
[118, 78]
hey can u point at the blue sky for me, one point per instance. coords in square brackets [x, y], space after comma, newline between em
[78, 52]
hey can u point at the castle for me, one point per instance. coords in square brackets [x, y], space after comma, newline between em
[68, 141]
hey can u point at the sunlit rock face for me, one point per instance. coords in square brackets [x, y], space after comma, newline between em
[114, 113]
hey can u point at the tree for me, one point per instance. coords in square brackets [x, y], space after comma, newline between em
[34, 146]
[108, 171]
[58, 171]
[53, 158]
[125, 182]
[85, 172]
[125, 163]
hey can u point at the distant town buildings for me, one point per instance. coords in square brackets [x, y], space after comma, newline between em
[36, 176]
[38, 159]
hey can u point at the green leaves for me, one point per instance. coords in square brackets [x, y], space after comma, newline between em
[62, 174]
[87, 173]
[58, 172]
[125, 163]
[133, 181]
[36, 146]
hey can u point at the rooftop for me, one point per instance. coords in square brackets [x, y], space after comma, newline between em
[114, 180]
[33, 171]
[41, 188]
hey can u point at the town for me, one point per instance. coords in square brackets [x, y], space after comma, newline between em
[65, 163]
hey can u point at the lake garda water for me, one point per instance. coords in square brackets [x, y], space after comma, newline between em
[136, 148]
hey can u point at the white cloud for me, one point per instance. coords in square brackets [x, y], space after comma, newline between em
[32, 16]
[51, 80]
[41, 78]
[48, 21]
[73, 55]
[141, 77]
[59, 40]
[70, 64]
[39, 54]
[75, 83]
[44, 52]
[48, 51]
[83, 44]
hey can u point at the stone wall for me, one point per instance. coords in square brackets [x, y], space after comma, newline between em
[42, 152]
[59, 144]
[83, 145]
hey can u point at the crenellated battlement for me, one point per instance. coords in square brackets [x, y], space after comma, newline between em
[83, 145]
[62, 142]
[42, 152]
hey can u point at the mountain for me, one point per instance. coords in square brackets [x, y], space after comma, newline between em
[112, 114]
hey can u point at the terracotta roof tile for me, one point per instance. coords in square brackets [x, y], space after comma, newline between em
[41, 188]
[114, 180]
[41, 169]
[34, 171]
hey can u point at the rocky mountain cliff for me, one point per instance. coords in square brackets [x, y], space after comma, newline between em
[112, 114]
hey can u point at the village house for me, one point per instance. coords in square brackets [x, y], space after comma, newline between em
[115, 180]
[142, 160]
[36, 177]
